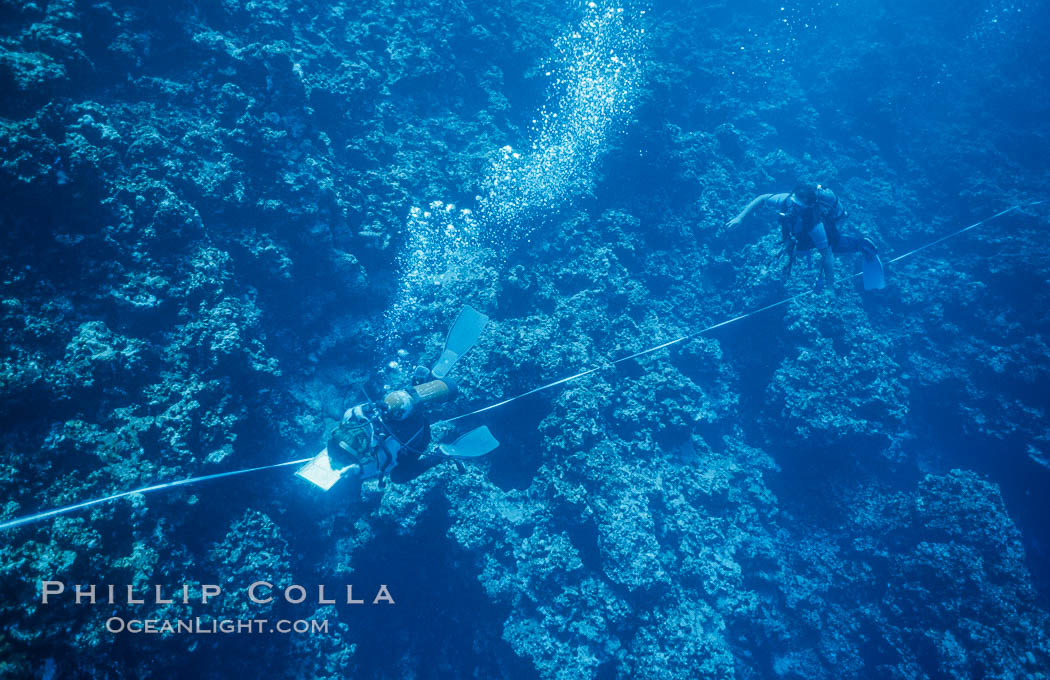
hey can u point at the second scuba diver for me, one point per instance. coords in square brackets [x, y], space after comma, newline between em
[810, 217]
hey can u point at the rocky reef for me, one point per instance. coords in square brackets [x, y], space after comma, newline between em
[205, 210]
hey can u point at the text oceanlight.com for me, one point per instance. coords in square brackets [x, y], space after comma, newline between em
[203, 626]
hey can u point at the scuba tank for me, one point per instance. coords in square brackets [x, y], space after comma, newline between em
[399, 404]
[465, 331]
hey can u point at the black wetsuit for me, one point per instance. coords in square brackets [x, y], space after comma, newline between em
[414, 434]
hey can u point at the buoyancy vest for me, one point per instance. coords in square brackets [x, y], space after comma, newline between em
[796, 221]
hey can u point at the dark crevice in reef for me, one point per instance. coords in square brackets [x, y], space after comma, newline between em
[515, 463]
[440, 625]
[754, 352]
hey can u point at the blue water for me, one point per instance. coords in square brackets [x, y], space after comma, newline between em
[226, 223]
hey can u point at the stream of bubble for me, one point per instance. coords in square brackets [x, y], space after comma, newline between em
[594, 76]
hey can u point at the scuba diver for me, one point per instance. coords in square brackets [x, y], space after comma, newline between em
[391, 436]
[809, 219]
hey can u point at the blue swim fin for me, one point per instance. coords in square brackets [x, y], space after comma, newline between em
[874, 275]
[461, 337]
[473, 444]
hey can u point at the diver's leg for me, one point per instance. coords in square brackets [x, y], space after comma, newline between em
[874, 274]
[856, 244]
[847, 244]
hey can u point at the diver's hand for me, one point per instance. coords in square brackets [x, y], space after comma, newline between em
[725, 229]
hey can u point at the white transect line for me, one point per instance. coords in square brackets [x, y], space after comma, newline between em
[966, 229]
[146, 489]
[193, 480]
[643, 352]
[734, 319]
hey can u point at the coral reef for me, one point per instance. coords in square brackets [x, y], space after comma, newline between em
[208, 214]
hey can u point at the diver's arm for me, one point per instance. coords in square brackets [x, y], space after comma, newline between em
[406, 471]
[759, 200]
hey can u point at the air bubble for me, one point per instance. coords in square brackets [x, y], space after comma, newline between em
[593, 95]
